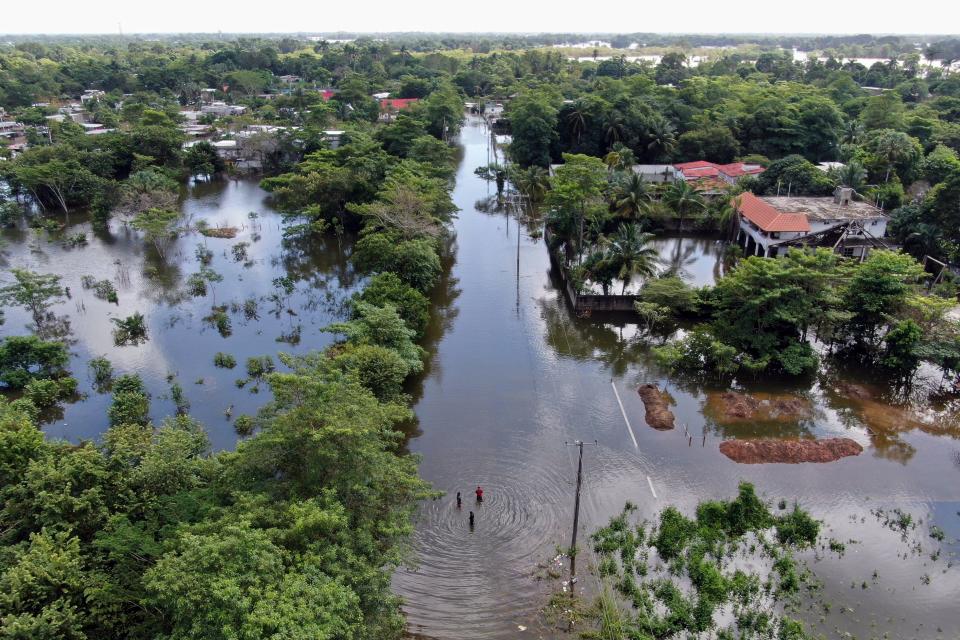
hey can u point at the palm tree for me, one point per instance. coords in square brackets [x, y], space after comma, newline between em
[683, 199]
[633, 196]
[613, 129]
[577, 119]
[532, 182]
[894, 147]
[852, 131]
[630, 251]
[727, 216]
[620, 158]
[851, 175]
[662, 138]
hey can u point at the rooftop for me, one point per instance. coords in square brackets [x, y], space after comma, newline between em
[822, 209]
[769, 218]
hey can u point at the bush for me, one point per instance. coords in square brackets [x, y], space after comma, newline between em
[257, 367]
[101, 370]
[224, 360]
[44, 393]
[129, 330]
[670, 292]
[244, 425]
[130, 405]
[798, 528]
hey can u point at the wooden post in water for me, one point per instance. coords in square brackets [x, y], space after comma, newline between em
[576, 510]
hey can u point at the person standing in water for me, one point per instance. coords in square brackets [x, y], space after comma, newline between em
[471, 521]
[479, 493]
[459, 502]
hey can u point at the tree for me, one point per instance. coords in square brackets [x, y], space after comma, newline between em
[158, 226]
[715, 143]
[387, 288]
[577, 185]
[26, 358]
[34, 292]
[877, 290]
[203, 160]
[414, 261]
[146, 189]
[631, 253]
[533, 121]
[895, 149]
[633, 195]
[684, 199]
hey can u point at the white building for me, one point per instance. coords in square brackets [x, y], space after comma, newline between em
[658, 173]
[769, 225]
[221, 109]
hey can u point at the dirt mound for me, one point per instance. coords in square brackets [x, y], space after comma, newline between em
[657, 404]
[738, 405]
[731, 407]
[789, 451]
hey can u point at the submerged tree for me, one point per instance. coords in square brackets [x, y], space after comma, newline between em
[35, 292]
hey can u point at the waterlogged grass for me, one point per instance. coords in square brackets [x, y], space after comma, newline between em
[728, 572]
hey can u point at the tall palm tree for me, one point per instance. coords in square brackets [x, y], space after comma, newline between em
[630, 251]
[613, 129]
[620, 158]
[633, 196]
[661, 138]
[683, 199]
[852, 132]
[577, 119]
[532, 182]
[852, 175]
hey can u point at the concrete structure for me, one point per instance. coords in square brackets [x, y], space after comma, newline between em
[333, 138]
[221, 109]
[771, 224]
[829, 166]
[658, 173]
[91, 94]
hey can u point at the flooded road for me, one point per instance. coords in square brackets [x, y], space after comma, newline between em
[514, 377]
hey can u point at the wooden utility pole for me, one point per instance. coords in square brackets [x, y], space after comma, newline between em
[576, 507]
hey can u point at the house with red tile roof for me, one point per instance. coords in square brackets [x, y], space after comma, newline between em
[702, 170]
[769, 225]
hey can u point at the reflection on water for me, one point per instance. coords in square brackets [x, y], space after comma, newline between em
[515, 375]
[696, 260]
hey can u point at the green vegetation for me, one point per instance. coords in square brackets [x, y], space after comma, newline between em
[102, 371]
[129, 330]
[676, 576]
[763, 313]
[224, 360]
[24, 359]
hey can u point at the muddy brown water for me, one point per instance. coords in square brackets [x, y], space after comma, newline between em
[512, 377]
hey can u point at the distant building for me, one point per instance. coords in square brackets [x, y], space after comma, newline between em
[830, 166]
[222, 109]
[91, 94]
[769, 225]
[657, 173]
[729, 173]
[333, 138]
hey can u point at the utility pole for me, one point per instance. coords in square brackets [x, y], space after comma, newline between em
[576, 507]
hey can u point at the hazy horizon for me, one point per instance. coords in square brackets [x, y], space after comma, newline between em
[818, 17]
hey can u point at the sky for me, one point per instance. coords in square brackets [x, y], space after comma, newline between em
[621, 16]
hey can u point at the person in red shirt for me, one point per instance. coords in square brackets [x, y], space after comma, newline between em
[479, 493]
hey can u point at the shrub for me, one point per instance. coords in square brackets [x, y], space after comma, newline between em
[244, 425]
[129, 330]
[24, 358]
[224, 360]
[414, 261]
[43, 393]
[101, 370]
[377, 368]
[130, 405]
[257, 367]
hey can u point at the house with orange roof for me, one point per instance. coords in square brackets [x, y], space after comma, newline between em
[711, 171]
[769, 225]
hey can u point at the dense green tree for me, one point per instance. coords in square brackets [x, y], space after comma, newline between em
[533, 120]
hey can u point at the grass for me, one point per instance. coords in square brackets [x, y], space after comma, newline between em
[220, 232]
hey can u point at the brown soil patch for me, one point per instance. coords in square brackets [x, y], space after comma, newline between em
[657, 404]
[789, 451]
[730, 407]
[220, 232]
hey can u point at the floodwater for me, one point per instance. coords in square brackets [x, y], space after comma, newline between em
[181, 343]
[514, 379]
